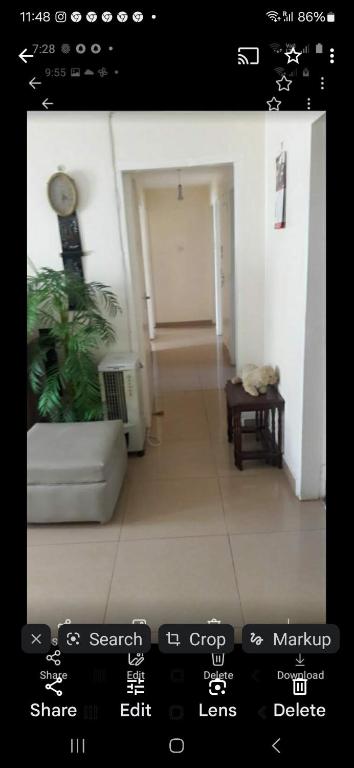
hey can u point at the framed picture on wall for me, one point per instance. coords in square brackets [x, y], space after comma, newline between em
[280, 191]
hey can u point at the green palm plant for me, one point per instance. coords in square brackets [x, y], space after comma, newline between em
[68, 387]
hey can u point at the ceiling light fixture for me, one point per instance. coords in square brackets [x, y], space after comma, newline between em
[179, 187]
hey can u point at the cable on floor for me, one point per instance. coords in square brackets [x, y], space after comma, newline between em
[152, 439]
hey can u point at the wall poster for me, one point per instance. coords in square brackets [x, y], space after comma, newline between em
[280, 193]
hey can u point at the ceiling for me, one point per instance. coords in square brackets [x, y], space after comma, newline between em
[190, 177]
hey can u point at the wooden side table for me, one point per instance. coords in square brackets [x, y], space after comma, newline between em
[269, 410]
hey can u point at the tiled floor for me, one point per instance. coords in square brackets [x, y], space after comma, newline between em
[192, 538]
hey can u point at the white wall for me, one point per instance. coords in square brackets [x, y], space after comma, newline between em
[175, 139]
[78, 141]
[182, 254]
[286, 276]
[313, 476]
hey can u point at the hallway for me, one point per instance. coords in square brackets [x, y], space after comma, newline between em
[192, 537]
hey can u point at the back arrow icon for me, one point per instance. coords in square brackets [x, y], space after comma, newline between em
[24, 56]
[34, 82]
[275, 747]
[46, 103]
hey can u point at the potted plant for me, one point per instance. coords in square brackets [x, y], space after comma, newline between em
[66, 382]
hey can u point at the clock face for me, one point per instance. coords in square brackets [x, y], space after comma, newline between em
[62, 194]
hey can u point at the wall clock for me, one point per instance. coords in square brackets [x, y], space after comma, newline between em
[62, 194]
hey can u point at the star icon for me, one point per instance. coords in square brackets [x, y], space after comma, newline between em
[293, 55]
[283, 84]
[273, 104]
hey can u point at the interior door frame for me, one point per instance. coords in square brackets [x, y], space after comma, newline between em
[126, 166]
[133, 298]
[146, 254]
[217, 266]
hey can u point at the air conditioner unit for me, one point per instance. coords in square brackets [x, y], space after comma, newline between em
[121, 389]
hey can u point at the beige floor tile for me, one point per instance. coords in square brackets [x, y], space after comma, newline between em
[281, 576]
[174, 561]
[179, 459]
[215, 402]
[69, 581]
[174, 580]
[215, 405]
[186, 401]
[215, 378]
[263, 502]
[184, 417]
[169, 338]
[170, 508]
[192, 458]
[172, 382]
[143, 467]
[80, 532]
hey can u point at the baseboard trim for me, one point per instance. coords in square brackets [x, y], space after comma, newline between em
[290, 477]
[187, 323]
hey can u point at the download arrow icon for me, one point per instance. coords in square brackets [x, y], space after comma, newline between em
[300, 661]
[24, 55]
[34, 82]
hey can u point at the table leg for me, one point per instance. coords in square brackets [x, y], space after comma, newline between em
[258, 425]
[280, 437]
[266, 433]
[274, 442]
[229, 423]
[237, 440]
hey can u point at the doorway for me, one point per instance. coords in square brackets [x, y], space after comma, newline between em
[182, 258]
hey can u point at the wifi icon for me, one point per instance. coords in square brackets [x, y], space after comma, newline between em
[276, 48]
[279, 70]
[273, 15]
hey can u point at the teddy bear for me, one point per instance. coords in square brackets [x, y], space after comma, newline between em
[255, 379]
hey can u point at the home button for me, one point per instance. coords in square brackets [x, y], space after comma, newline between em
[176, 746]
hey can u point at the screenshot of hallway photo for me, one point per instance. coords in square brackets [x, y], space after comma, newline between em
[144, 499]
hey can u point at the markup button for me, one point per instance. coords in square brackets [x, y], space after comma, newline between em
[290, 638]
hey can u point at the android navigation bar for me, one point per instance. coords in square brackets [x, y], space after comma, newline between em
[290, 638]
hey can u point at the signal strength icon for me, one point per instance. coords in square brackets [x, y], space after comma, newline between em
[306, 49]
[273, 15]
[288, 16]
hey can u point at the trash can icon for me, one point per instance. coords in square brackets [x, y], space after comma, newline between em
[300, 686]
